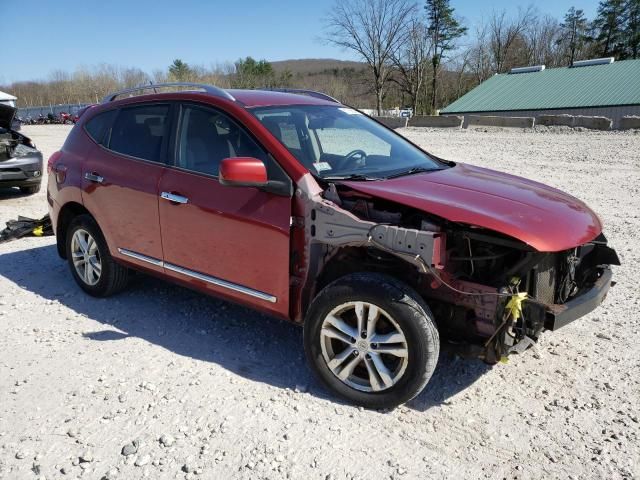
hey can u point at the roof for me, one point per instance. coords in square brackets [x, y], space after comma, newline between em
[606, 85]
[7, 96]
[264, 98]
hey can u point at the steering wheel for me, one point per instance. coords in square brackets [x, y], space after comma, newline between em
[351, 158]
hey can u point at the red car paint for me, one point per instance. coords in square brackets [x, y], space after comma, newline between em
[234, 169]
[126, 203]
[228, 233]
[225, 232]
[265, 98]
[543, 217]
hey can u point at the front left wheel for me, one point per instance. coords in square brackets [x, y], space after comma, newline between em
[372, 340]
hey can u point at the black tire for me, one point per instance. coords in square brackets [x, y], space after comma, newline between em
[113, 277]
[30, 190]
[410, 313]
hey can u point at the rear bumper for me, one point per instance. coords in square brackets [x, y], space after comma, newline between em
[21, 171]
[560, 315]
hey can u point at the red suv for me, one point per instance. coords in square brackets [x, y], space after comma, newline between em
[306, 209]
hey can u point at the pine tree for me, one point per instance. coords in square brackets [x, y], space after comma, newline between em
[444, 30]
[180, 70]
[632, 28]
[608, 28]
[251, 73]
[574, 31]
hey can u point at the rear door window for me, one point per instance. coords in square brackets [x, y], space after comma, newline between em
[140, 131]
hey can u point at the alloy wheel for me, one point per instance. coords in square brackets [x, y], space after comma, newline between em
[364, 347]
[86, 257]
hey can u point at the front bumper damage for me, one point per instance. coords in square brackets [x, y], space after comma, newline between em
[594, 270]
[558, 316]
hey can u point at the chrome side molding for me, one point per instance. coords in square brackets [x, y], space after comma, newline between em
[141, 257]
[221, 283]
[200, 276]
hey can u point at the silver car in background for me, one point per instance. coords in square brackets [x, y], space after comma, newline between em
[20, 162]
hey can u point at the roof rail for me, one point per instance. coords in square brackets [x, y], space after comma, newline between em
[210, 89]
[302, 91]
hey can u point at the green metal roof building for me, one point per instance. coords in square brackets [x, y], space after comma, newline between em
[599, 87]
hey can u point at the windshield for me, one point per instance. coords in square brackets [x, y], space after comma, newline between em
[338, 142]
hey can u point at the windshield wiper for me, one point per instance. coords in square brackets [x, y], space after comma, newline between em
[411, 171]
[352, 176]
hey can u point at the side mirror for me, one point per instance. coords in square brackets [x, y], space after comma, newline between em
[243, 172]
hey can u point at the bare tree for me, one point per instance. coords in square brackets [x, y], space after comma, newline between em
[543, 40]
[133, 77]
[506, 37]
[60, 82]
[463, 83]
[412, 60]
[375, 30]
[480, 58]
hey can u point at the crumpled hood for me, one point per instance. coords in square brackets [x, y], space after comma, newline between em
[545, 218]
[7, 112]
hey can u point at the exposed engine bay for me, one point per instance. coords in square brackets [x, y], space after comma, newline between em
[13, 144]
[491, 294]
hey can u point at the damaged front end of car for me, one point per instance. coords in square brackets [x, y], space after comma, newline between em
[519, 292]
[491, 295]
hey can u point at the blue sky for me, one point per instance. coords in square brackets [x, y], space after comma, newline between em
[65, 34]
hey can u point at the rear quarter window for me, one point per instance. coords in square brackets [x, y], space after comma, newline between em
[99, 126]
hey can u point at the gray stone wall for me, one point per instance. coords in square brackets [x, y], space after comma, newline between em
[614, 113]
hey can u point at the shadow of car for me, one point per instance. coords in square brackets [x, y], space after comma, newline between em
[256, 346]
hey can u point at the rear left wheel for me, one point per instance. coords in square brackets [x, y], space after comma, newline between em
[91, 264]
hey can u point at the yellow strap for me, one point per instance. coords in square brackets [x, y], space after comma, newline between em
[38, 232]
[514, 306]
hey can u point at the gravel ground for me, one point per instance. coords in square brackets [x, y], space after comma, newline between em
[160, 382]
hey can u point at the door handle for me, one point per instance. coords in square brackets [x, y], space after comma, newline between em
[172, 197]
[94, 177]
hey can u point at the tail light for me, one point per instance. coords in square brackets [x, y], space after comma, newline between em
[54, 167]
[52, 160]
